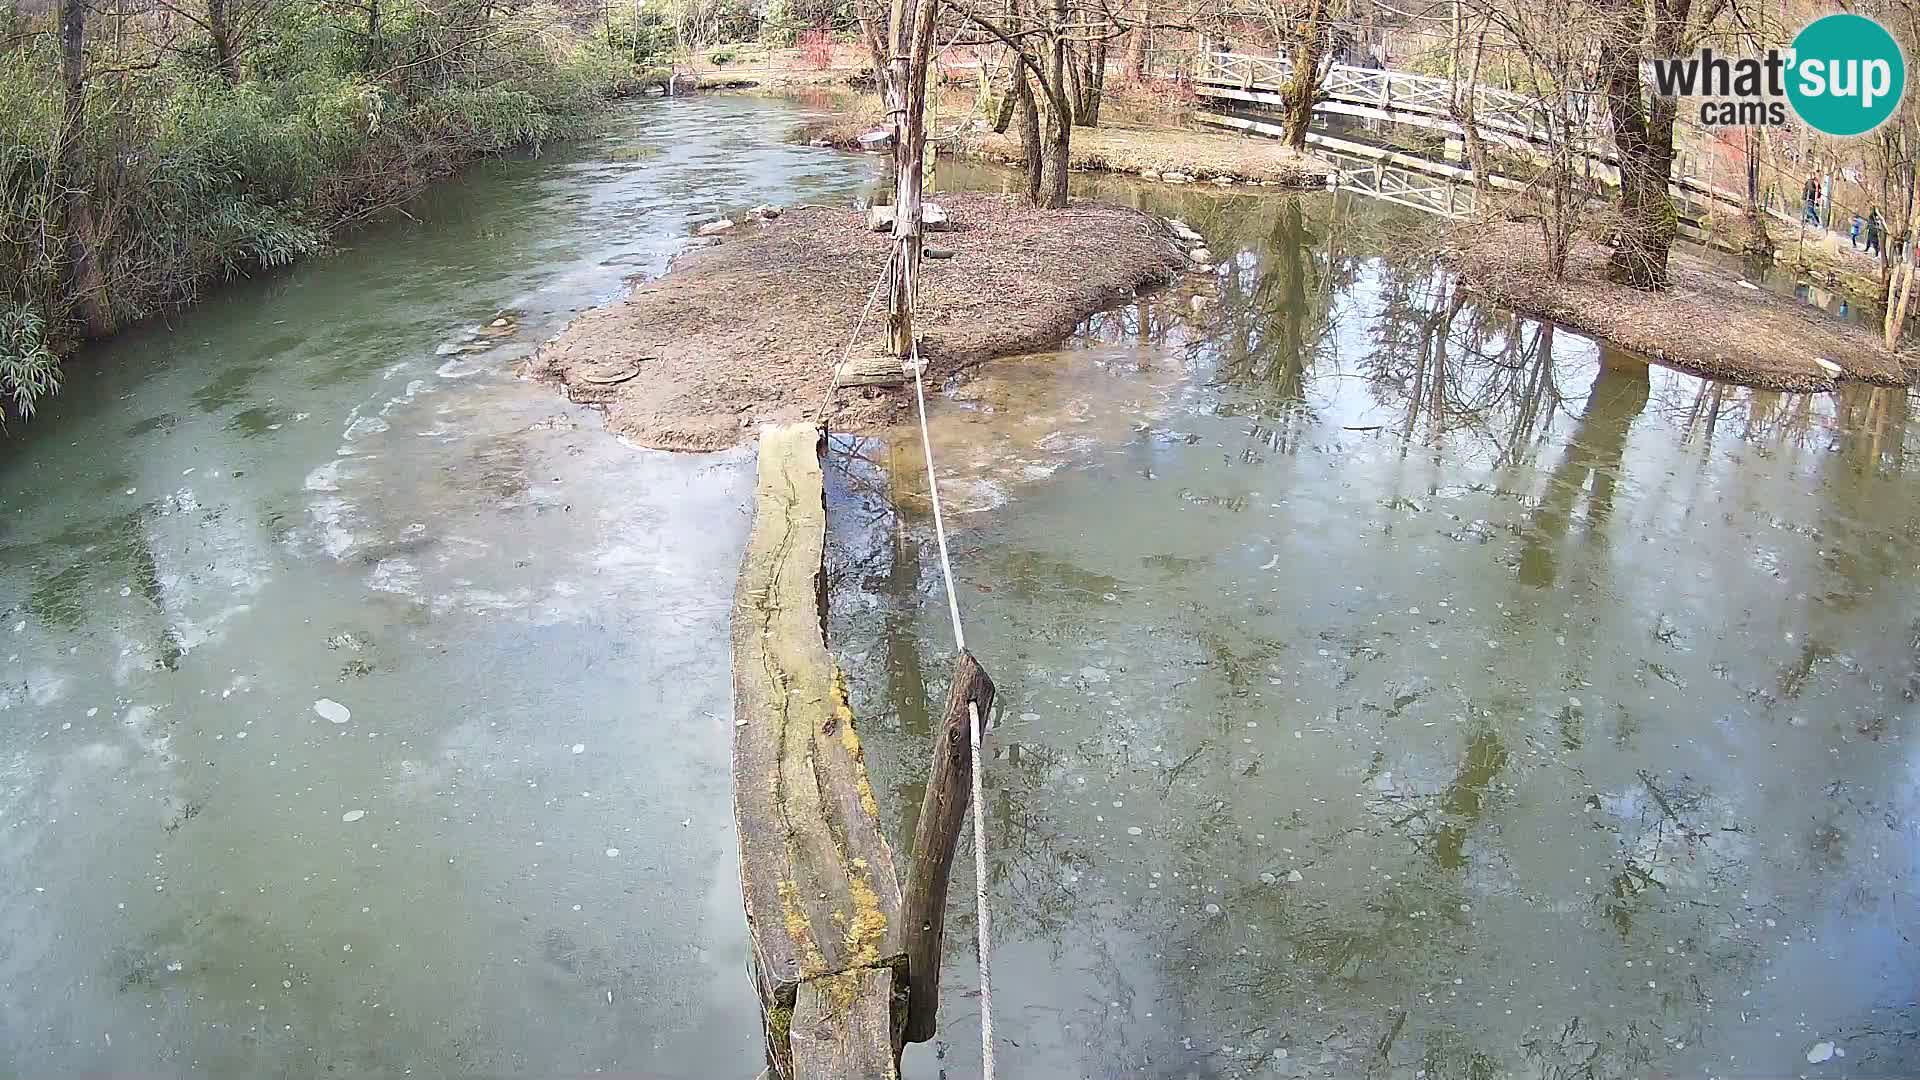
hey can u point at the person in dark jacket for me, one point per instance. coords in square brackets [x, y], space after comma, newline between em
[1876, 225]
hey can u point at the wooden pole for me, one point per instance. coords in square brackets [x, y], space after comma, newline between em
[907, 100]
[923, 912]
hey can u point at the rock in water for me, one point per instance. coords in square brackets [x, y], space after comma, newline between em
[713, 227]
[1821, 1051]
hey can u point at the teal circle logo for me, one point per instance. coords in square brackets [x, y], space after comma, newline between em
[1846, 75]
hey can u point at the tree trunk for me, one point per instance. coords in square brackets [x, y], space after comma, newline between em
[906, 94]
[1465, 96]
[1059, 111]
[1137, 54]
[220, 30]
[1095, 86]
[84, 285]
[375, 49]
[1029, 131]
[1059, 134]
[1644, 147]
[1643, 138]
[1309, 52]
[1003, 112]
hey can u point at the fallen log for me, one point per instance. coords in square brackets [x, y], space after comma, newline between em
[816, 873]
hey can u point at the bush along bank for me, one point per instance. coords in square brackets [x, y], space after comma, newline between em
[147, 157]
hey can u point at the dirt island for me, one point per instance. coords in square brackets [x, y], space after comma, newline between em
[748, 330]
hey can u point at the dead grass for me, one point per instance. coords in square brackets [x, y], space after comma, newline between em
[1196, 155]
[747, 331]
[1707, 323]
[1199, 155]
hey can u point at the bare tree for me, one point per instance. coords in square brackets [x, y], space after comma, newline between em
[1633, 31]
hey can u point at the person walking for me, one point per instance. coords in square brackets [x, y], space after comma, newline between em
[1876, 225]
[1853, 232]
[1811, 194]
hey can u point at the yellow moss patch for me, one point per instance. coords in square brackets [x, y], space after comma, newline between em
[850, 739]
[797, 927]
[869, 924]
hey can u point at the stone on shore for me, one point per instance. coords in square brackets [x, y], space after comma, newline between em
[933, 217]
[713, 228]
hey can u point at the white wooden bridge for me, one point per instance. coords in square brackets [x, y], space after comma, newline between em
[1241, 86]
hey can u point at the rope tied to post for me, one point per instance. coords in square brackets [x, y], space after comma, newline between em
[983, 917]
[969, 678]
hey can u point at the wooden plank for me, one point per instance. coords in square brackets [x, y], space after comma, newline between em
[842, 1026]
[874, 371]
[943, 810]
[815, 872]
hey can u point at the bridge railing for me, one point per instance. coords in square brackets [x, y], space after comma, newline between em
[1380, 88]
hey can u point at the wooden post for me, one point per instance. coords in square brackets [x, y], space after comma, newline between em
[923, 907]
[907, 100]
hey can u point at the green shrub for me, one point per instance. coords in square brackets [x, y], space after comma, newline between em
[29, 370]
[720, 57]
[191, 180]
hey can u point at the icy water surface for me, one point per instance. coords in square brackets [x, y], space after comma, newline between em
[364, 711]
[1391, 687]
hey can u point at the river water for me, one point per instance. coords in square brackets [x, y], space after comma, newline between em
[516, 855]
[1393, 687]
[1385, 681]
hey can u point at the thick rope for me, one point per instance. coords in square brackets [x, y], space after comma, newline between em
[984, 923]
[985, 941]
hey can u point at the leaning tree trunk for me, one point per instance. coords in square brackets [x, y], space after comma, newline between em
[1136, 63]
[1309, 52]
[1003, 111]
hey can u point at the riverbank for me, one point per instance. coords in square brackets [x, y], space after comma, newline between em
[747, 331]
[1171, 153]
[198, 171]
[1710, 322]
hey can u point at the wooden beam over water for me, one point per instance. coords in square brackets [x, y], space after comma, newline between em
[822, 900]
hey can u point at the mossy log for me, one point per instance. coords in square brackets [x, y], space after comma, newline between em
[817, 876]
